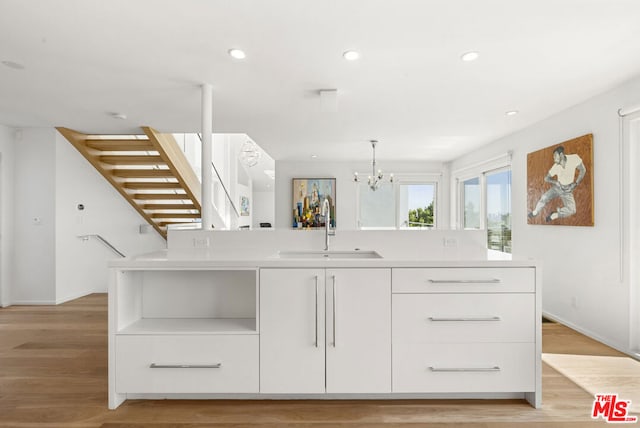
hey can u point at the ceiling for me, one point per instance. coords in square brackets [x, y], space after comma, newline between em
[147, 59]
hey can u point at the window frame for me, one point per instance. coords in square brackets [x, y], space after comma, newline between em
[399, 179]
[461, 204]
[486, 214]
[480, 170]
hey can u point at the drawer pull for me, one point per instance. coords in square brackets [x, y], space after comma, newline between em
[465, 319]
[185, 366]
[465, 369]
[465, 281]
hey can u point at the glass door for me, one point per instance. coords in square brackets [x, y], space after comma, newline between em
[498, 205]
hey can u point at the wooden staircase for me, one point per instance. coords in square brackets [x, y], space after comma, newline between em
[149, 170]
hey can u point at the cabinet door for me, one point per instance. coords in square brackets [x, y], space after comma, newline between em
[292, 331]
[358, 330]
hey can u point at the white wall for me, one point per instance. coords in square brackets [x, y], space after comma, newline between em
[81, 266]
[582, 280]
[7, 160]
[345, 187]
[42, 261]
[263, 208]
[34, 198]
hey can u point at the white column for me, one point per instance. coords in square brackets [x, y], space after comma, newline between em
[207, 172]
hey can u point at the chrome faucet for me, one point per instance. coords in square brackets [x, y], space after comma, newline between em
[326, 213]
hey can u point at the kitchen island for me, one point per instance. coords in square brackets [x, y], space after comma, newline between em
[358, 323]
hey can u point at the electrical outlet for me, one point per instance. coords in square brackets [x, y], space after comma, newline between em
[200, 242]
[450, 242]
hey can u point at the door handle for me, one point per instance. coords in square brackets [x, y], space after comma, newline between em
[316, 325]
[334, 310]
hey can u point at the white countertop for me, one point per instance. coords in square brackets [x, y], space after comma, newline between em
[261, 258]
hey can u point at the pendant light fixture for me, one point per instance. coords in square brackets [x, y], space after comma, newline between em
[376, 178]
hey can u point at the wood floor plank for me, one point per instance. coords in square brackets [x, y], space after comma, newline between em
[53, 373]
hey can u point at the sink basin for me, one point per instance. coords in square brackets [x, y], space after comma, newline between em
[332, 255]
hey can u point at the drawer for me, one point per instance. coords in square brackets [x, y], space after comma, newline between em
[464, 368]
[230, 364]
[462, 318]
[463, 280]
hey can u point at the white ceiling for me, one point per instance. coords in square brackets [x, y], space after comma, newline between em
[85, 59]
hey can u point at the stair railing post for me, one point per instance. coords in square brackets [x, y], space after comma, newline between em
[207, 149]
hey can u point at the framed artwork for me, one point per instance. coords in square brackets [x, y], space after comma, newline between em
[308, 196]
[244, 205]
[560, 184]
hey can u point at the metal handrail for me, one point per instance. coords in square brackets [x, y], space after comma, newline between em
[222, 182]
[225, 191]
[104, 241]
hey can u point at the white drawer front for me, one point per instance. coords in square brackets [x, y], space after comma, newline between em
[237, 357]
[463, 280]
[460, 318]
[467, 368]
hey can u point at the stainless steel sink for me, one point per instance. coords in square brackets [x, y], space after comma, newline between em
[331, 254]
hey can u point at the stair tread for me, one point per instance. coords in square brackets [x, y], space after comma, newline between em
[152, 196]
[155, 185]
[132, 160]
[142, 173]
[164, 223]
[152, 207]
[120, 145]
[175, 215]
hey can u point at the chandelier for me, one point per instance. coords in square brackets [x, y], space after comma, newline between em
[376, 178]
[249, 153]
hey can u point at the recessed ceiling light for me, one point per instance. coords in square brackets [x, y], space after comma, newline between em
[470, 56]
[13, 64]
[237, 53]
[351, 55]
[119, 116]
[314, 156]
[512, 112]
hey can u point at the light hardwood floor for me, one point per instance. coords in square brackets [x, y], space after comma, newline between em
[53, 373]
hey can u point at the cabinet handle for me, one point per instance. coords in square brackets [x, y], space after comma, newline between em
[465, 281]
[316, 338]
[465, 369]
[334, 311]
[185, 366]
[465, 319]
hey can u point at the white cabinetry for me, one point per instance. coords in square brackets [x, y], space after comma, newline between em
[325, 331]
[466, 330]
[396, 331]
[292, 330]
[182, 331]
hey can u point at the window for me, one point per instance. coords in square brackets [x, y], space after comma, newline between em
[416, 205]
[484, 202]
[377, 209]
[499, 210]
[410, 202]
[471, 203]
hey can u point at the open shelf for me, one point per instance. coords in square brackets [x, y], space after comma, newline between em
[191, 302]
[192, 326]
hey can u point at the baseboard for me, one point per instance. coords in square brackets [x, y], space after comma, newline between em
[47, 302]
[31, 303]
[72, 297]
[591, 335]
